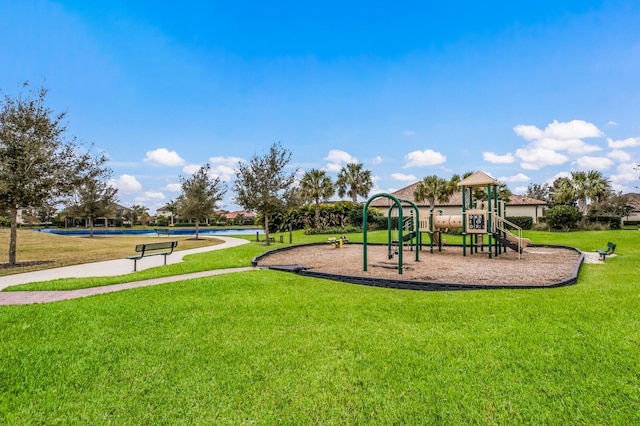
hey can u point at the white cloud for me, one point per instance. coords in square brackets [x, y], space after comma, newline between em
[191, 169]
[557, 176]
[528, 132]
[225, 173]
[594, 163]
[126, 184]
[520, 177]
[337, 158]
[535, 158]
[227, 161]
[173, 187]
[427, 157]
[573, 146]
[377, 160]
[625, 143]
[332, 167]
[409, 133]
[619, 156]
[574, 129]
[224, 167]
[626, 173]
[612, 123]
[154, 195]
[165, 157]
[521, 190]
[557, 136]
[403, 177]
[495, 158]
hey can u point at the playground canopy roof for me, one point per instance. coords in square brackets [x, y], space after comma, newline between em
[479, 178]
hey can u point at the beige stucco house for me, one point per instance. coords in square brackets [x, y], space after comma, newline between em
[517, 205]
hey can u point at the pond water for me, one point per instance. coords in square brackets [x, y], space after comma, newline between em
[163, 231]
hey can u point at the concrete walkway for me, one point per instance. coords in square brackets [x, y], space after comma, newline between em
[104, 269]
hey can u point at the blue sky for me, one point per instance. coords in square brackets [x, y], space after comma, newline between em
[525, 91]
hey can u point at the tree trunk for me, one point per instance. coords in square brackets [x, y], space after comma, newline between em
[197, 228]
[13, 237]
[266, 227]
[90, 227]
[317, 214]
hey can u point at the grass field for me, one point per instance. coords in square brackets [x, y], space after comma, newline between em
[64, 250]
[264, 347]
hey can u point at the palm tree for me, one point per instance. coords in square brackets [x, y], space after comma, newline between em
[589, 186]
[172, 206]
[354, 181]
[599, 186]
[317, 186]
[433, 188]
[139, 212]
[563, 191]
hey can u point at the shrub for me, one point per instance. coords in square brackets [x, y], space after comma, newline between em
[562, 217]
[608, 221]
[162, 221]
[524, 222]
[332, 230]
[541, 226]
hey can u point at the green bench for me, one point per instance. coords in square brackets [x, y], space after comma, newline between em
[153, 249]
[611, 247]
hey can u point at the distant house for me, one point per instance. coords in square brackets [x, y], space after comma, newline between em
[166, 212]
[240, 217]
[633, 201]
[517, 205]
[120, 215]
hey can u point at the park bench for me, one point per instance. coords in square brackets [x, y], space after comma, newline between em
[153, 249]
[161, 231]
[611, 247]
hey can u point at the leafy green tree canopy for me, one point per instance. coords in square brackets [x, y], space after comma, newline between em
[94, 197]
[200, 196]
[262, 184]
[38, 166]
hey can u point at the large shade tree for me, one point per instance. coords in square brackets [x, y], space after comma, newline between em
[538, 191]
[354, 181]
[200, 196]
[264, 185]
[93, 197]
[38, 165]
[317, 186]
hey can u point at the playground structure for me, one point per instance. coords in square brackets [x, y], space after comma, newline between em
[480, 220]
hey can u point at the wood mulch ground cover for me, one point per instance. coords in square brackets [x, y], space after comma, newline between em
[536, 266]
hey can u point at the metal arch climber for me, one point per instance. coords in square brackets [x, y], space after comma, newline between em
[397, 203]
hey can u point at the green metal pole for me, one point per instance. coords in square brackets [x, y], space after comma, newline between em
[464, 223]
[489, 219]
[431, 230]
[364, 234]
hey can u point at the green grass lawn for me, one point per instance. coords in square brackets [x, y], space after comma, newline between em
[264, 347]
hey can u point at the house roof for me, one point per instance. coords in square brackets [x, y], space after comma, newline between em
[233, 215]
[121, 207]
[455, 200]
